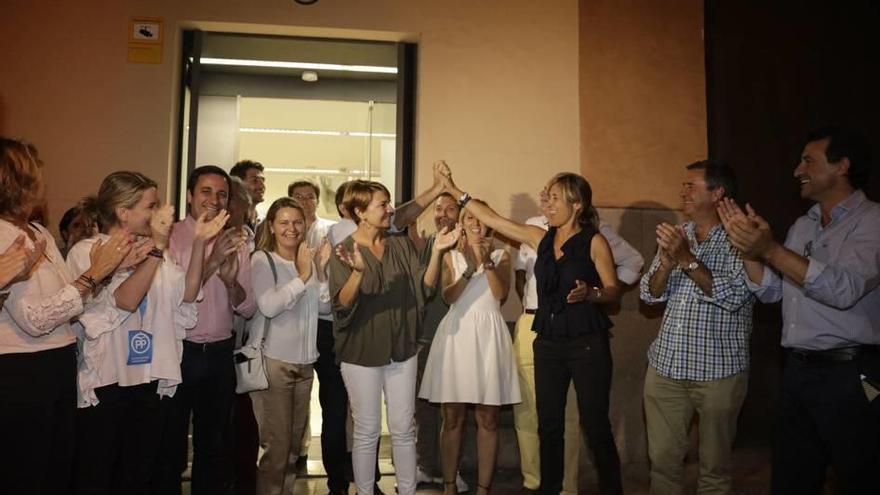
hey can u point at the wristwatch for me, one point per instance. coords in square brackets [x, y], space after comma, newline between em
[465, 197]
[488, 265]
[693, 265]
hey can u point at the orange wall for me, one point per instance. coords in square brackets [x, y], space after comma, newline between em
[498, 82]
[509, 92]
[642, 98]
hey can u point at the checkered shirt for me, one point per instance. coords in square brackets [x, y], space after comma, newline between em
[703, 337]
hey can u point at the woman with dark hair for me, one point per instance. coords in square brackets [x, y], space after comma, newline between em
[75, 225]
[37, 343]
[131, 339]
[575, 276]
[378, 288]
[290, 289]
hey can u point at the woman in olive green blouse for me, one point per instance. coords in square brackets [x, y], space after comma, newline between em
[379, 288]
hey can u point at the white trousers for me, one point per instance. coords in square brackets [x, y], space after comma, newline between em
[365, 386]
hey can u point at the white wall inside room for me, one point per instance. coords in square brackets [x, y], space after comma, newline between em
[218, 131]
[294, 140]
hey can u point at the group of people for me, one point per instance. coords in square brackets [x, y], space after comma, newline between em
[108, 356]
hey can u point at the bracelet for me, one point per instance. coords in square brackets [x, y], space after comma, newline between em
[156, 253]
[463, 200]
[488, 265]
[87, 282]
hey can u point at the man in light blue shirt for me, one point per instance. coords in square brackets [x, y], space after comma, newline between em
[827, 275]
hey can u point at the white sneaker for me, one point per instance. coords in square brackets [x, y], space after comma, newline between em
[423, 477]
[460, 484]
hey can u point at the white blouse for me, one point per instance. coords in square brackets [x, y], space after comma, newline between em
[292, 306]
[107, 354]
[36, 315]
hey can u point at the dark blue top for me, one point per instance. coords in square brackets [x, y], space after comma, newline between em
[555, 318]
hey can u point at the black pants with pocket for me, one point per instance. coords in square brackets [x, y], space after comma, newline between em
[586, 360]
[823, 417]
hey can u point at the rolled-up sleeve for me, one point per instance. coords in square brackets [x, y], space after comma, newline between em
[854, 273]
[645, 284]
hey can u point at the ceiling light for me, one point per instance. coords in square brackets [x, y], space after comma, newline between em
[309, 76]
[237, 62]
[263, 130]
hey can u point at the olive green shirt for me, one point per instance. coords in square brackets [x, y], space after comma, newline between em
[383, 323]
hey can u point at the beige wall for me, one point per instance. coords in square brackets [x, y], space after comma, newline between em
[642, 98]
[497, 83]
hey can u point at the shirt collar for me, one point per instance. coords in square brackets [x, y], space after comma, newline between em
[851, 202]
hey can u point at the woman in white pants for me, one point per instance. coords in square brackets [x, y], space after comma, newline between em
[378, 288]
[290, 292]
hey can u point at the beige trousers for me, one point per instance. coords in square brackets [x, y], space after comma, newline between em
[525, 416]
[282, 412]
[669, 408]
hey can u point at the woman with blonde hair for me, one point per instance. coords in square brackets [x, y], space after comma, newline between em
[37, 342]
[575, 276]
[131, 340]
[290, 288]
[471, 361]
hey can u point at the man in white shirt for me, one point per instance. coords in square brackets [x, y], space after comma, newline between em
[628, 262]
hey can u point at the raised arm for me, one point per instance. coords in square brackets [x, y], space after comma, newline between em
[526, 234]
[409, 211]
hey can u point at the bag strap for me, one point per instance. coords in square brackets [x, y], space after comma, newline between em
[267, 320]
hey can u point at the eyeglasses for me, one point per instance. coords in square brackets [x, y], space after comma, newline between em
[305, 197]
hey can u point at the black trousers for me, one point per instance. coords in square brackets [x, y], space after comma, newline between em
[823, 418]
[37, 410]
[245, 445]
[117, 441]
[586, 360]
[334, 407]
[207, 393]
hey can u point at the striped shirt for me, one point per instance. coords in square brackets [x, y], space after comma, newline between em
[703, 337]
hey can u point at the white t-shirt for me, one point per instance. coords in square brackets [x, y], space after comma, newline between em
[318, 232]
[341, 231]
[293, 307]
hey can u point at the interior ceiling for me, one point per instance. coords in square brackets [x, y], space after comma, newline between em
[275, 48]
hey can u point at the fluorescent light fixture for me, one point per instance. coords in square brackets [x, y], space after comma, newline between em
[319, 171]
[239, 62]
[264, 130]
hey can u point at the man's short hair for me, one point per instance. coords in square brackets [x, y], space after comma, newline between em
[718, 174]
[207, 170]
[340, 195]
[240, 169]
[303, 183]
[846, 143]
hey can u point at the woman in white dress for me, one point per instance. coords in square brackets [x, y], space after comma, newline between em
[471, 361]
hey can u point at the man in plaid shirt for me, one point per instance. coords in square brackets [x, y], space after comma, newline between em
[700, 359]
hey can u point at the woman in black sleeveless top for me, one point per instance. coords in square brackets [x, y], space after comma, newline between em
[575, 274]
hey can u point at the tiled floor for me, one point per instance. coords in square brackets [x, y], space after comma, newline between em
[751, 476]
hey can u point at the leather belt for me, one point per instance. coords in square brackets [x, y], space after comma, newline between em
[530, 311]
[839, 355]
